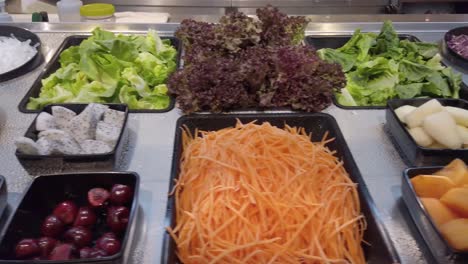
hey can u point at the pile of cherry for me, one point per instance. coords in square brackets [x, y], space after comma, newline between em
[68, 231]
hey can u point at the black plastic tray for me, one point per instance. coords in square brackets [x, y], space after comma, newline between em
[336, 41]
[105, 161]
[441, 252]
[47, 191]
[22, 35]
[451, 55]
[54, 65]
[381, 249]
[412, 153]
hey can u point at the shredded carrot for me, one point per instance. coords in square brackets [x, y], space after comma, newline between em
[260, 194]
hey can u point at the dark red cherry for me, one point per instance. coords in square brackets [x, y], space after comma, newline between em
[109, 243]
[85, 217]
[117, 218]
[98, 197]
[79, 236]
[46, 244]
[66, 211]
[121, 194]
[52, 226]
[27, 248]
[62, 252]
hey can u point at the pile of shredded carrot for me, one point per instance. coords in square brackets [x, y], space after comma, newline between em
[261, 194]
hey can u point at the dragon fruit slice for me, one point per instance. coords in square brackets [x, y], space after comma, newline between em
[45, 121]
[27, 146]
[68, 145]
[62, 116]
[97, 109]
[107, 133]
[95, 147]
[52, 134]
[114, 117]
[83, 126]
[46, 146]
[60, 142]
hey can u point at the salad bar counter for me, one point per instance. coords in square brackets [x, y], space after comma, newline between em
[157, 137]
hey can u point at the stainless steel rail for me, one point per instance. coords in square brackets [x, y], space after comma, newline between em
[152, 135]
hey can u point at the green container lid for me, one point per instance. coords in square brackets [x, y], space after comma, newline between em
[97, 10]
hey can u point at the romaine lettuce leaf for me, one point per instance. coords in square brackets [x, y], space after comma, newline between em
[382, 67]
[408, 91]
[344, 59]
[112, 68]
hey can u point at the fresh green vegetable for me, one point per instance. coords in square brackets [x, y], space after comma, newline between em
[109, 68]
[381, 67]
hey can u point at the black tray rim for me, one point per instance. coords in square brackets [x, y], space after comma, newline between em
[441, 100]
[125, 241]
[29, 65]
[346, 151]
[74, 157]
[24, 101]
[410, 37]
[421, 208]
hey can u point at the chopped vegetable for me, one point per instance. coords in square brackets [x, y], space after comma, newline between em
[381, 67]
[108, 68]
[416, 117]
[261, 194]
[403, 111]
[245, 63]
[459, 44]
[435, 126]
[443, 129]
[420, 136]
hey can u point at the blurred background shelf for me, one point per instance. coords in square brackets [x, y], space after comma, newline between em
[190, 8]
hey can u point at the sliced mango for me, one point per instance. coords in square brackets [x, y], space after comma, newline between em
[455, 232]
[456, 171]
[457, 200]
[438, 211]
[431, 186]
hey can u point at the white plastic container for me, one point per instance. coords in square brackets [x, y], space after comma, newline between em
[4, 16]
[69, 10]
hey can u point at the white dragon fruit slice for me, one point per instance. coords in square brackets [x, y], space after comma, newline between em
[62, 116]
[95, 147]
[107, 133]
[83, 126]
[52, 134]
[60, 142]
[68, 145]
[46, 146]
[97, 109]
[49, 147]
[114, 117]
[27, 146]
[45, 121]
